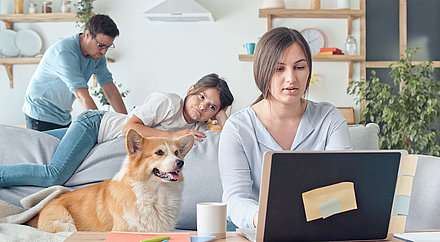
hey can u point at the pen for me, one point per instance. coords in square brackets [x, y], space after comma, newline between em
[158, 239]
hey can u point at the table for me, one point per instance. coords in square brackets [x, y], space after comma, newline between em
[101, 236]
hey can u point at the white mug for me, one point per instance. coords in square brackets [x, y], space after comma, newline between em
[211, 219]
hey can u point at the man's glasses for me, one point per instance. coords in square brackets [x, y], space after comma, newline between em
[103, 46]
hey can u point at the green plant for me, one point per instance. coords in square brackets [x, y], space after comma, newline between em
[84, 11]
[99, 93]
[406, 118]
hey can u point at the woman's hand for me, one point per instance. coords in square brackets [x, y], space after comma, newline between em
[197, 134]
[255, 219]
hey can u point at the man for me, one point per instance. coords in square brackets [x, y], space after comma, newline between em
[63, 73]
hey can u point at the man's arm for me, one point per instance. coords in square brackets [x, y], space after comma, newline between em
[83, 96]
[114, 98]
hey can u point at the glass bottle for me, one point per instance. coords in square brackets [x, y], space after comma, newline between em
[18, 6]
[350, 45]
[32, 8]
[46, 7]
[66, 7]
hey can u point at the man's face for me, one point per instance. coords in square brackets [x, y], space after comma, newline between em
[97, 46]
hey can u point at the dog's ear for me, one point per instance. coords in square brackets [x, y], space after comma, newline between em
[133, 142]
[186, 143]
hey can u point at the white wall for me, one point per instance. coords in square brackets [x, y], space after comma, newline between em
[155, 56]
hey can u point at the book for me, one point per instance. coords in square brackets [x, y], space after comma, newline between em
[330, 49]
[330, 53]
[136, 237]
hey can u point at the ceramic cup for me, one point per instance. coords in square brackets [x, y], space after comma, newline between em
[250, 47]
[211, 219]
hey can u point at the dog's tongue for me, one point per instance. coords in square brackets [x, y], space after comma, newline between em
[173, 175]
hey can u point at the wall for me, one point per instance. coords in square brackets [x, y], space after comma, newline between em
[155, 56]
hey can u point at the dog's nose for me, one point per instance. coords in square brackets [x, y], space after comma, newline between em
[179, 163]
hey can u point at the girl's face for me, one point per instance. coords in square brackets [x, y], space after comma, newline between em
[202, 106]
[288, 83]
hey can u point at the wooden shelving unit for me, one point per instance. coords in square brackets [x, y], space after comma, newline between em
[10, 19]
[350, 15]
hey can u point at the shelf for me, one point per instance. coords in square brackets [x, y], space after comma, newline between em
[309, 13]
[38, 17]
[318, 58]
[20, 60]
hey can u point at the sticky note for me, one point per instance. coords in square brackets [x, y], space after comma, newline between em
[330, 208]
[408, 165]
[404, 185]
[397, 224]
[323, 201]
[401, 205]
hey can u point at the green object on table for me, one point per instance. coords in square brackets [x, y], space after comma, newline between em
[158, 239]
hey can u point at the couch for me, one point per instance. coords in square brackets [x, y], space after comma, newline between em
[202, 182]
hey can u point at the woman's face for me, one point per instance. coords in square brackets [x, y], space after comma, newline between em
[288, 83]
[202, 106]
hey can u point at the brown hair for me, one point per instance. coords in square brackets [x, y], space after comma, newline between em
[101, 24]
[214, 81]
[268, 53]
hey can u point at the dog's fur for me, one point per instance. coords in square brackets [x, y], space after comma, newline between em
[144, 195]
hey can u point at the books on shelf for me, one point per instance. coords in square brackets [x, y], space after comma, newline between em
[330, 51]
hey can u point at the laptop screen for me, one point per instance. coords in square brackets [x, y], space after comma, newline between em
[287, 175]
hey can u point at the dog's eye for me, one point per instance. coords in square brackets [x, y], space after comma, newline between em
[159, 152]
[176, 152]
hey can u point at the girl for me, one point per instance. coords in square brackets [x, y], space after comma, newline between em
[280, 119]
[161, 115]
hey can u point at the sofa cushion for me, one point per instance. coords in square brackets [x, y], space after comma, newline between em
[364, 137]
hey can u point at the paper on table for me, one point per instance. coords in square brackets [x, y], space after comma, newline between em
[136, 237]
[326, 201]
[419, 236]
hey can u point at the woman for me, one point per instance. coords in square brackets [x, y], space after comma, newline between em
[280, 119]
[161, 115]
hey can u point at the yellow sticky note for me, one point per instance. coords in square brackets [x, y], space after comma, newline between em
[329, 200]
[397, 224]
[404, 185]
[408, 165]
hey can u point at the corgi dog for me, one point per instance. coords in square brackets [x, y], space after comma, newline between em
[145, 195]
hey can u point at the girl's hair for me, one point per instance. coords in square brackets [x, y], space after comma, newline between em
[268, 53]
[214, 81]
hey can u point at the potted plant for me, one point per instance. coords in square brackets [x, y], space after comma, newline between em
[406, 118]
[99, 93]
[84, 11]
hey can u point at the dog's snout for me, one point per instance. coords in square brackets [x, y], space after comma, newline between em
[179, 163]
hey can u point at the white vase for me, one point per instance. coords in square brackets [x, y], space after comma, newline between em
[273, 4]
[344, 4]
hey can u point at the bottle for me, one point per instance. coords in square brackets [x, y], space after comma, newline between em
[46, 7]
[18, 6]
[350, 45]
[32, 8]
[66, 7]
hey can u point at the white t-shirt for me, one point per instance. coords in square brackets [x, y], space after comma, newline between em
[162, 111]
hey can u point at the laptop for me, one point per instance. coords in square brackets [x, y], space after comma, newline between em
[326, 195]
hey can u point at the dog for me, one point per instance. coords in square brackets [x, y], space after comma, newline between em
[145, 195]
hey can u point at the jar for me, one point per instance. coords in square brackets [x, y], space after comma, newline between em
[350, 45]
[46, 7]
[66, 7]
[32, 8]
[18, 6]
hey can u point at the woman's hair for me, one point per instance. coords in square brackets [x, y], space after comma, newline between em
[101, 24]
[214, 81]
[269, 52]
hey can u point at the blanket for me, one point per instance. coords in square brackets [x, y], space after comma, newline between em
[12, 217]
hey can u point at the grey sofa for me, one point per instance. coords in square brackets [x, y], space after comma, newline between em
[202, 182]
